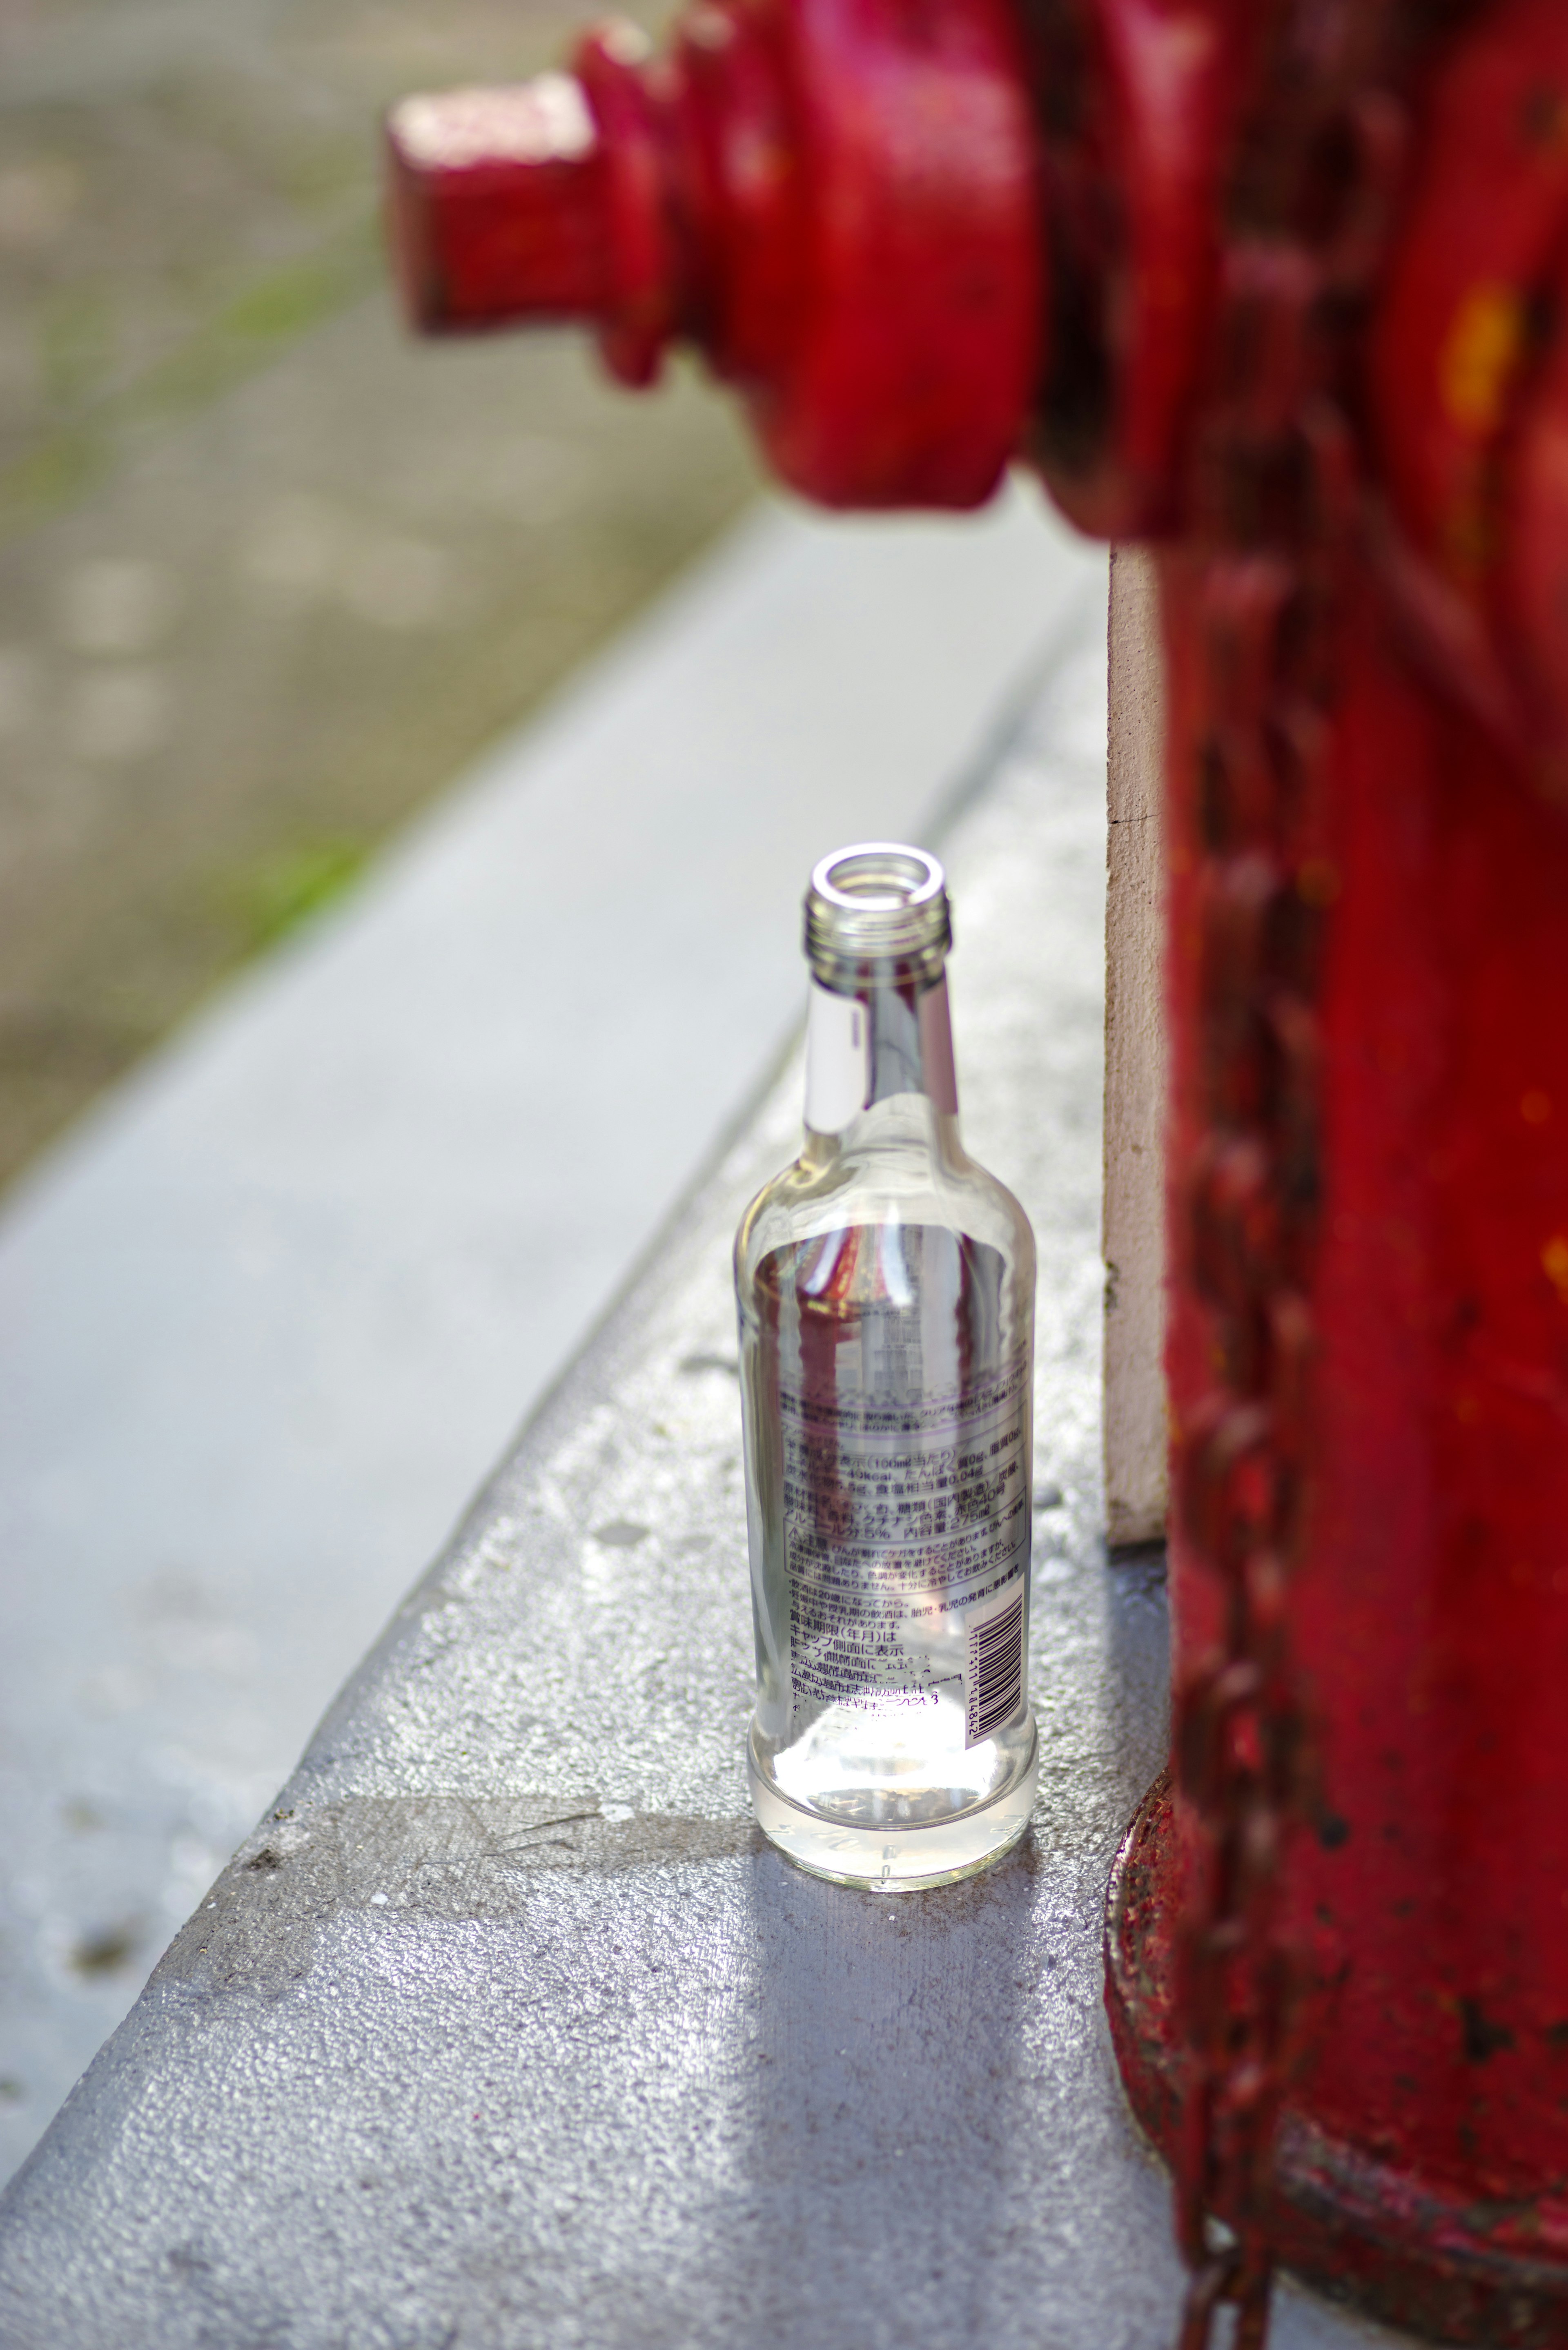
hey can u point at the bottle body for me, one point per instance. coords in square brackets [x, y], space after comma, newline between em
[886, 1287]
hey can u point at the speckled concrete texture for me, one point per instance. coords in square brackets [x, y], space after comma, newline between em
[270, 1315]
[506, 2029]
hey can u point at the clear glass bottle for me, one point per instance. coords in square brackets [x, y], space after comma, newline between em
[885, 1286]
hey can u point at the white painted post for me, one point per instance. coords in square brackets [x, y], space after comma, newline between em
[1134, 1213]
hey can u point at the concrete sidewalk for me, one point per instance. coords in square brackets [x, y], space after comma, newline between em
[505, 2030]
[270, 1315]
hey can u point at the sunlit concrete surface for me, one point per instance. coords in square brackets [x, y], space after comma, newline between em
[274, 1310]
[504, 2029]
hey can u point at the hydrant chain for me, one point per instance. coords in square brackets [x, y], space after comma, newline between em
[1273, 503]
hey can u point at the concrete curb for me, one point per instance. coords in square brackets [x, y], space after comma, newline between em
[504, 2029]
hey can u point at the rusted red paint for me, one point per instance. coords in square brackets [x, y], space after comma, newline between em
[1468, 377]
[1137, 101]
[1404, 2244]
[1428, 1617]
[1423, 2156]
[920, 240]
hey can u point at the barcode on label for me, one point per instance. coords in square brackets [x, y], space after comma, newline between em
[994, 1673]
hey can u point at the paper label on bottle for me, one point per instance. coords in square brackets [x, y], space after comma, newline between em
[907, 1530]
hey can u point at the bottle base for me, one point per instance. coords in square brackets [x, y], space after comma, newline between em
[896, 1859]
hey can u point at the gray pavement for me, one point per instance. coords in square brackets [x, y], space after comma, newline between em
[274, 1309]
[504, 2028]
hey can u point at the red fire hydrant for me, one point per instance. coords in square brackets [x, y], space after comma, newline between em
[1281, 286]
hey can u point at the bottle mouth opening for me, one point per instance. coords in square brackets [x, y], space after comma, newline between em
[878, 878]
[877, 910]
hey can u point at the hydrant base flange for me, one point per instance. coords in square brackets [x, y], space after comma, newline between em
[1396, 2246]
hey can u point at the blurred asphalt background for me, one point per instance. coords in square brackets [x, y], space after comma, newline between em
[269, 572]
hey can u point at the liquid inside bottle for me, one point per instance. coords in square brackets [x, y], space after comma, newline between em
[886, 1289]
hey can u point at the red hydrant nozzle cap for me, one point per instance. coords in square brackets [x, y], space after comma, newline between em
[496, 203]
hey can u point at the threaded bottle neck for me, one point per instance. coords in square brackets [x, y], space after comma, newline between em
[878, 930]
[876, 915]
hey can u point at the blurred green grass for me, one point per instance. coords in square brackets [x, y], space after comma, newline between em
[287, 885]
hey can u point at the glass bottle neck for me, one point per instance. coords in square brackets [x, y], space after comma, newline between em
[889, 1039]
